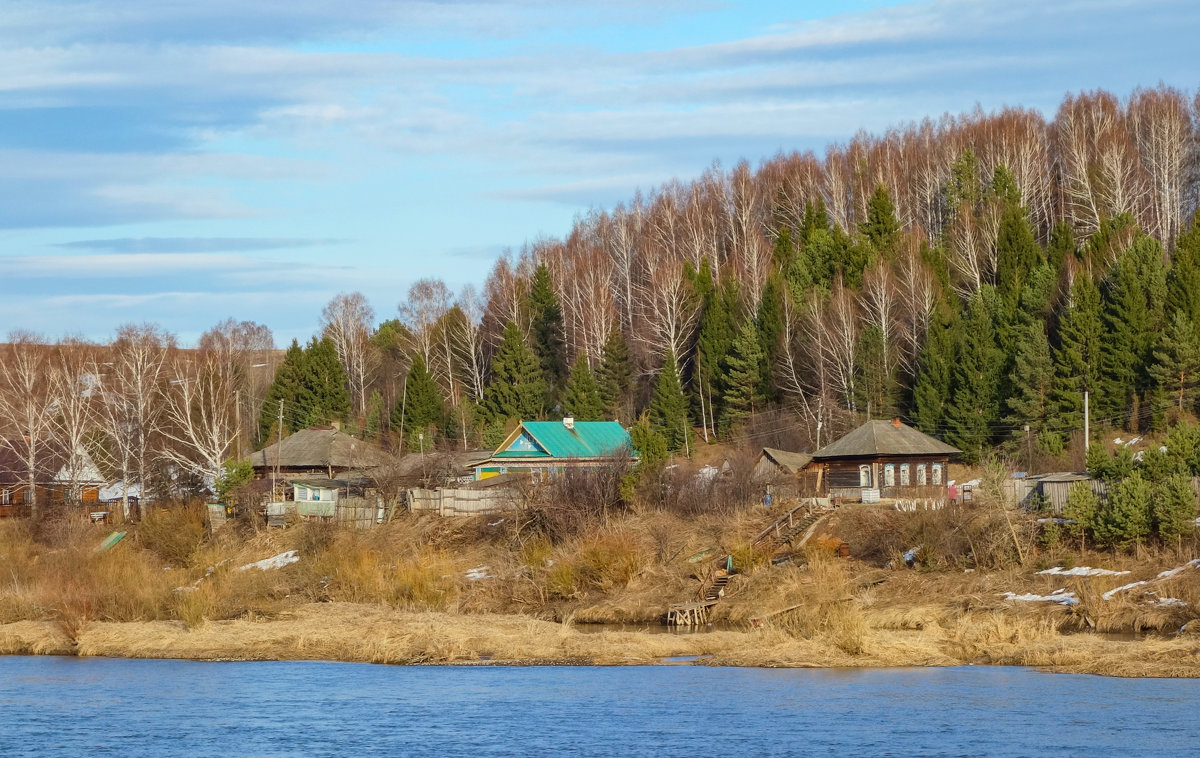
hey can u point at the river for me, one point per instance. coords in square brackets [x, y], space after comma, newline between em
[127, 708]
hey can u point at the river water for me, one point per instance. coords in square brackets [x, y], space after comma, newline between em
[74, 706]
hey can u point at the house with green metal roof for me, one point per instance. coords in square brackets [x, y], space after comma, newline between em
[545, 447]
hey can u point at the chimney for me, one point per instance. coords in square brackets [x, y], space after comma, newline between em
[896, 423]
[569, 422]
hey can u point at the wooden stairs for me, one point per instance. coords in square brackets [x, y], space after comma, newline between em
[791, 530]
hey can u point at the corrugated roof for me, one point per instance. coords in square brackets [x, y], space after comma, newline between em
[588, 439]
[320, 446]
[792, 462]
[884, 438]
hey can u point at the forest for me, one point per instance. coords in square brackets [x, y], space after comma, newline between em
[975, 275]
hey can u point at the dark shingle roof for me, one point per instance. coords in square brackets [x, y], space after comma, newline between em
[789, 461]
[884, 438]
[317, 447]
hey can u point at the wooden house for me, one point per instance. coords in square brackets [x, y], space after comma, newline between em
[316, 451]
[885, 460]
[61, 477]
[780, 465]
[540, 448]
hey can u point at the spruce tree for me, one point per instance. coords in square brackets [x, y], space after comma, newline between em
[881, 227]
[875, 386]
[669, 407]
[516, 390]
[286, 387]
[1183, 280]
[974, 406]
[1077, 360]
[582, 400]
[1061, 245]
[717, 332]
[769, 326]
[615, 377]
[743, 378]
[324, 394]
[1031, 380]
[546, 329]
[1017, 255]
[935, 366]
[373, 425]
[421, 405]
[1176, 366]
[1134, 319]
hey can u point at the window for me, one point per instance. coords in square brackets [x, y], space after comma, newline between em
[864, 476]
[920, 474]
[5, 497]
[316, 494]
[904, 480]
[889, 475]
[937, 473]
[302, 493]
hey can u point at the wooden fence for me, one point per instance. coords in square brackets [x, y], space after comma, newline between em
[463, 502]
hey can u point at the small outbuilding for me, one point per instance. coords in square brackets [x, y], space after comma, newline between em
[885, 460]
[779, 465]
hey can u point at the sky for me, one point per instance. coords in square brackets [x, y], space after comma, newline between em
[183, 162]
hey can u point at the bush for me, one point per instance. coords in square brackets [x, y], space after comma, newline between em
[173, 534]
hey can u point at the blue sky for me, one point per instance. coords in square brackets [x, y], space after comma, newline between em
[183, 162]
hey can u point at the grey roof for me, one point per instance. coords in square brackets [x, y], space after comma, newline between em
[317, 447]
[884, 438]
[1062, 476]
[787, 460]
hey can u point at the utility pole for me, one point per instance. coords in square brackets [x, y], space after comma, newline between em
[1028, 451]
[237, 415]
[278, 450]
[1087, 435]
[403, 401]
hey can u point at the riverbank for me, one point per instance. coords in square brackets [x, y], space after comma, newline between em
[372, 634]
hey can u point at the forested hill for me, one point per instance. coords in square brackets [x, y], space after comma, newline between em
[974, 274]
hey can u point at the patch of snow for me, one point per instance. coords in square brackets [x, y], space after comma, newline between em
[496, 523]
[274, 562]
[1139, 456]
[1109, 595]
[973, 484]
[477, 573]
[1056, 520]
[1118, 441]
[1169, 602]
[1081, 571]
[1061, 596]
[1172, 572]
[1161, 575]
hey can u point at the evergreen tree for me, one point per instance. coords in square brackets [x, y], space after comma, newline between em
[1061, 246]
[1174, 508]
[874, 385]
[935, 366]
[324, 394]
[1017, 255]
[373, 426]
[1176, 366]
[1077, 360]
[769, 325]
[516, 390]
[1125, 518]
[1081, 507]
[1183, 445]
[784, 253]
[743, 378]
[421, 406]
[717, 332]
[615, 377]
[973, 409]
[1183, 280]
[1134, 319]
[669, 407]
[582, 400]
[963, 186]
[881, 227]
[286, 387]
[648, 444]
[546, 329]
[1031, 381]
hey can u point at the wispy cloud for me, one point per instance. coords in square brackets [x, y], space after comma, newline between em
[196, 244]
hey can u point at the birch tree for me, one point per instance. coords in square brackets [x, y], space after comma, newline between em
[347, 321]
[26, 406]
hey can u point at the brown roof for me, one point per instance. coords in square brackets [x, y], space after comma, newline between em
[787, 460]
[317, 447]
[884, 438]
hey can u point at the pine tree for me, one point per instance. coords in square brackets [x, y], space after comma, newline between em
[286, 387]
[1031, 380]
[1176, 366]
[1077, 360]
[546, 328]
[1183, 445]
[1081, 508]
[648, 444]
[881, 226]
[1174, 508]
[582, 400]
[421, 405]
[324, 394]
[931, 389]
[516, 390]
[669, 406]
[1125, 518]
[615, 377]
[974, 405]
[1134, 319]
[742, 391]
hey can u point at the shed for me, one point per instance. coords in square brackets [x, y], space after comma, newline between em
[542, 447]
[888, 456]
[773, 464]
[1054, 488]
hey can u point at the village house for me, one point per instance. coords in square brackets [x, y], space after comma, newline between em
[780, 465]
[540, 448]
[884, 460]
[60, 477]
[317, 451]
